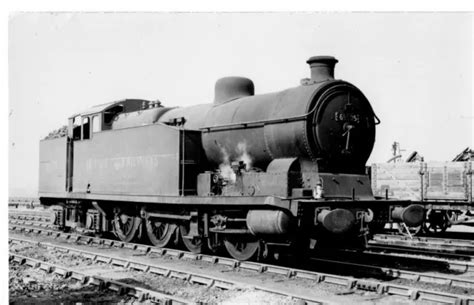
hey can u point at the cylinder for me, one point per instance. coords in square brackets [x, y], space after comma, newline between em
[337, 221]
[269, 222]
[412, 215]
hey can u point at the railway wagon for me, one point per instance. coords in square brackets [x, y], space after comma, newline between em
[253, 174]
[443, 188]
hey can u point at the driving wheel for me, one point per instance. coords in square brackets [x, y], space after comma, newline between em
[242, 248]
[126, 226]
[193, 244]
[159, 233]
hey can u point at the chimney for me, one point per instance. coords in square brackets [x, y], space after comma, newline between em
[322, 68]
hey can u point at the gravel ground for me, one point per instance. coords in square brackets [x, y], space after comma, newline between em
[30, 286]
[53, 288]
[328, 292]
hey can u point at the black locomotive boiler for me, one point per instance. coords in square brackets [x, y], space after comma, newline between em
[251, 173]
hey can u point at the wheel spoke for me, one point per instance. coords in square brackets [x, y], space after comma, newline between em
[437, 221]
[126, 227]
[159, 233]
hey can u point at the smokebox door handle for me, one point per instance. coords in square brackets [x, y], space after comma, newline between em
[377, 120]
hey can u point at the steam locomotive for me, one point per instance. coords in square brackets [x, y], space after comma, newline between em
[253, 174]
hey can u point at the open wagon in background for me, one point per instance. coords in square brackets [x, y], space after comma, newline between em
[443, 188]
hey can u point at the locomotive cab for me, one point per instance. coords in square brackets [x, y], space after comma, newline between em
[102, 117]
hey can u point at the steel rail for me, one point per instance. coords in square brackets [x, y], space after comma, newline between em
[420, 251]
[453, 281]
[191, 277]
[432, 240]
[141, 294]
[30, 203]
[26, 217]
[32, 223]
[30, 212]
[454, 265]
[352, 283]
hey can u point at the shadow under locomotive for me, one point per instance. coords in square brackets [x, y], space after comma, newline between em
[254, 174]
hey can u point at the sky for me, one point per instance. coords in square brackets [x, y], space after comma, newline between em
[415, 69]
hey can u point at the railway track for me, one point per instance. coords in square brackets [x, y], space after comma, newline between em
[46, 218]
[24, 202]
[453, 281]
[416, 261]
[34, 224]
[349, 282]
[39, 211]
[426, 250]
[376, 247]
[373, 248]
[149, 295]
[433, 241]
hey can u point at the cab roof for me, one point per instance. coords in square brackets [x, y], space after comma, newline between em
[103, 107]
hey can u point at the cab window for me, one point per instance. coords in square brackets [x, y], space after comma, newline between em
[110, 114]
[96, 123]
[76, 128]
[86, 128]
